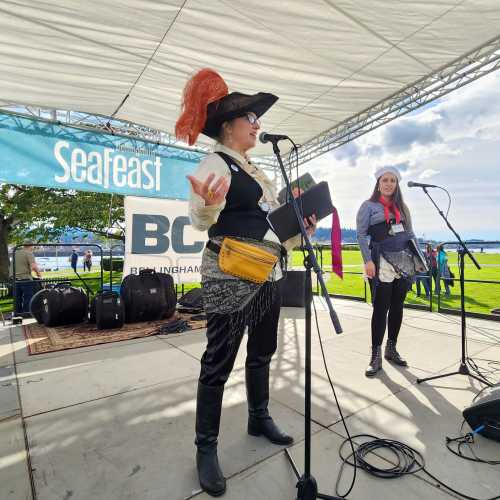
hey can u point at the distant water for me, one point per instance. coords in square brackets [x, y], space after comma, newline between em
[63, 262]
[488, 250]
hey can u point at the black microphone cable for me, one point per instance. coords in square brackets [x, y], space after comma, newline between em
[344, 495]
[407, 461]
[468, 440]
[349, 437]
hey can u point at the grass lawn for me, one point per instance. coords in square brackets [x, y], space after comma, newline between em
[479, 297]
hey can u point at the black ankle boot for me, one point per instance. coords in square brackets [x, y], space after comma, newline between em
[375, 361]
[208, 410]
[260, 423]
[391, 354]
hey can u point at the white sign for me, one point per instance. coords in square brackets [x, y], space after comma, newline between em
[159, 236]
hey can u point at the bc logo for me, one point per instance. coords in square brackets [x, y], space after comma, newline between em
[141, 232]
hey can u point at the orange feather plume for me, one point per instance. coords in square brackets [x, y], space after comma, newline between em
[204, 87]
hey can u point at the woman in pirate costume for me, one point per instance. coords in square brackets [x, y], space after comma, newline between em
[230, 197]
[384, 231]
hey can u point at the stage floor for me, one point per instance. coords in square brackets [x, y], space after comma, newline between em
[116, 421]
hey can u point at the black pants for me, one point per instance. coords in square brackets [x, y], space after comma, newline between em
[218, 359]
[389, 298]
[25, 289]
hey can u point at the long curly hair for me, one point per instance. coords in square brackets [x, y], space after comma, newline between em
[203, 88]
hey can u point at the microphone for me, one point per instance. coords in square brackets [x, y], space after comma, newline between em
[265, 137]
[420, 185]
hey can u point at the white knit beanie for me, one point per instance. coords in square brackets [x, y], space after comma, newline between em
[384, 170]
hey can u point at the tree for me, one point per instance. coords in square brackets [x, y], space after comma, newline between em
[42, 215]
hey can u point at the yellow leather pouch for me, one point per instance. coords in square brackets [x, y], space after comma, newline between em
[246, 261]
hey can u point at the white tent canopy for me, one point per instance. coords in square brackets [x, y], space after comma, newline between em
[326, 60]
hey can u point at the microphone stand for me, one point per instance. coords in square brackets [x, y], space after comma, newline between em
[307, 488]
[463, 369]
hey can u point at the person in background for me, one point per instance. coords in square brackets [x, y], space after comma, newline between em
[425, 276]
[433, 264]
[73, 259]
[443, 271]
[25, 285]
[87, 261]
[384, 232]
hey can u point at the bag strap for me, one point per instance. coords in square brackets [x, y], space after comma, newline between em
[144, 272]
[213, 246]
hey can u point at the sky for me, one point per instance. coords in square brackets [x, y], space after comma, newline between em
[453, 142]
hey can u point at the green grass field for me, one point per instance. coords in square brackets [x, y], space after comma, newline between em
[479, 297]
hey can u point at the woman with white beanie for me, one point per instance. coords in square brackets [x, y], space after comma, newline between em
[384, 231]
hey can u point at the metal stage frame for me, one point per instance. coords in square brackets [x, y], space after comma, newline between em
[463, 70]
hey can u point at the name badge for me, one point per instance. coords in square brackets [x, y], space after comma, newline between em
[397, 228]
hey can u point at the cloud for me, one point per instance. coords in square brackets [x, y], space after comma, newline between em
[402, 167]
[349, 152]
[428, 173]
[374, 150]
[401, 136]
[454, 140]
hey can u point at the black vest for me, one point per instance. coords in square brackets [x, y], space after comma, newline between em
[242, 215]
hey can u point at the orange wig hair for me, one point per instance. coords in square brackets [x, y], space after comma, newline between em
[203, 88]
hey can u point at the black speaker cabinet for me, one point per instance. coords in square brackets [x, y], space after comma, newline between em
[292, 289]
[486, 411]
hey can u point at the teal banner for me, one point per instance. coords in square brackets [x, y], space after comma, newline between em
[37, 153]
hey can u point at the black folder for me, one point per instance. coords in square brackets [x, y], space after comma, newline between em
[315, 200]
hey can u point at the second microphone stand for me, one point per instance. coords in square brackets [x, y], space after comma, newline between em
[307, 488]
[463, 369]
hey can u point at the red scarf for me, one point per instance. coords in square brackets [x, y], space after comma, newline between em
[336, 245]
[390, 206]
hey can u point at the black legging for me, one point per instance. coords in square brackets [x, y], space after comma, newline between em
[389, 297]
[218, 359]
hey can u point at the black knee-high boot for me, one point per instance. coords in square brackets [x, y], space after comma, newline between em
[208, 410]
[260, 423]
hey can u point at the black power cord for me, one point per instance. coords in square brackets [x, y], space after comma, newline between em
[468, 440]
[349, 438]
[407, 460]
[295, 150]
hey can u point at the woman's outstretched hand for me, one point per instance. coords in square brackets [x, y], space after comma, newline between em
[212, 193]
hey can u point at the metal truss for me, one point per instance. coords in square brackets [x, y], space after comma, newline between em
[118, 128]
[460, 72]
[463, 70]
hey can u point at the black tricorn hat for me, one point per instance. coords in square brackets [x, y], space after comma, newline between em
[232, 106]
[207, 104]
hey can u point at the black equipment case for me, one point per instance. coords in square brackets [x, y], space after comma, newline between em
[148, 296]
[192, 301]
[293, 288]
[107, 310]
[484, 413]
[170, 294]
[59, 305]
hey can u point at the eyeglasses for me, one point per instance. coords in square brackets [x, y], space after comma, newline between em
[252, 119]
